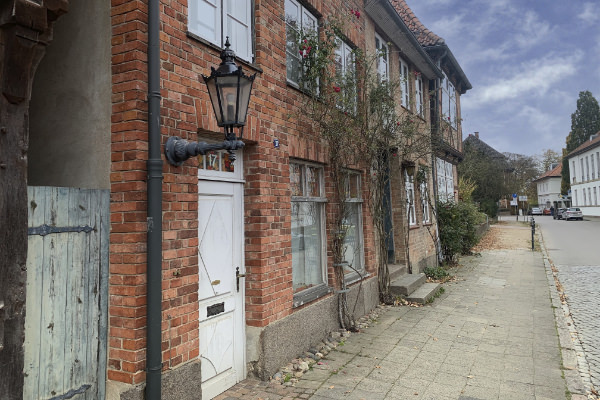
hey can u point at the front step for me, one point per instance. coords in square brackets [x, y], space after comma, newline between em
[425, 293]
[396, 270]
[406, 284]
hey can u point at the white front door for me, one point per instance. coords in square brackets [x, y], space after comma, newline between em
[221, 300]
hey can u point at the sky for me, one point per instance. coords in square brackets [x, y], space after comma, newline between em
[527, 61]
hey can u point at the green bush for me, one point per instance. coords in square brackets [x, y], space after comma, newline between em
[490, 207]
[436, 273]
[458, 224]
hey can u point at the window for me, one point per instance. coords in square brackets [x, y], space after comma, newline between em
[213, 20]
[404, 83]
[598, 163]
[425, 202]
[590, 196]
[445, 178]
[346, 74]
[587, 168]
[419, 96]
[353, 244]
[449, 102]
[410, 198]
[572, 172]
[595, 197]
[308, 228]
[582, 170]
[593, 170]
[297, 20]
[382, 59]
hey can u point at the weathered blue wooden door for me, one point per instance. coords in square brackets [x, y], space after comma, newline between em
[67, 296]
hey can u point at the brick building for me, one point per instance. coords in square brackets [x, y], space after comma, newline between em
[246, 281]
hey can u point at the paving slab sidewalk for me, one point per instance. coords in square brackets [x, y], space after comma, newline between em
[491, 335]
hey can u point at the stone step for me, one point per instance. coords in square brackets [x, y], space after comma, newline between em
[406, 284]
[424, 293]
[397, 270]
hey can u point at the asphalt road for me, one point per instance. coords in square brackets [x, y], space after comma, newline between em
[574, 248]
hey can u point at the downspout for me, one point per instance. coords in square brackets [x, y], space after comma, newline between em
[436, 115]
[154, 237]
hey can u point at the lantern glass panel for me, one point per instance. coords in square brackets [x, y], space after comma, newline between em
[227, 89]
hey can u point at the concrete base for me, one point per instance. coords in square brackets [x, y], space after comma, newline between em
[407, 284]
[424, 293]
[275, 345]
[182, 382]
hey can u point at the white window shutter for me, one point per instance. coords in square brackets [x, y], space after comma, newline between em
[238, 26]
[204, 19]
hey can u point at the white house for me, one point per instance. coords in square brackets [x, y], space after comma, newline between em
[584, 172]
[548, 188]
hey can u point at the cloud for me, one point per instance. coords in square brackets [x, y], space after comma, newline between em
[590, 13]
[537, 76]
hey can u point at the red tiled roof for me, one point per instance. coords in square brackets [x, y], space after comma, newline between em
[553, 173]
[423, 35]
[588, 143]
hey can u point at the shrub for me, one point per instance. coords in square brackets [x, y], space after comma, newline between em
[458, 224]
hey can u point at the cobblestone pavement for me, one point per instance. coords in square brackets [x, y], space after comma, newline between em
[581, 285]
[491, 335]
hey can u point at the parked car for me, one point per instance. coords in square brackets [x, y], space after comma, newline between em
[558, 213]
[572, 213]
[536, 211]
[547, 211]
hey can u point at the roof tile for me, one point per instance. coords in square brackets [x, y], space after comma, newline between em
[424, 36]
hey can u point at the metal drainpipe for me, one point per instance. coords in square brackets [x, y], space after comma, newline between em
[438, 87]
[154, 237]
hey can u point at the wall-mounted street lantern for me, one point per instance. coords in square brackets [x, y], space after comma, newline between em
[229, 91]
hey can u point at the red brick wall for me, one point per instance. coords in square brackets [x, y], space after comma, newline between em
[185, 110]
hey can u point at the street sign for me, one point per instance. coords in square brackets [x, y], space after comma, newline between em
[514, 195]
[522, 198]
[513, 203]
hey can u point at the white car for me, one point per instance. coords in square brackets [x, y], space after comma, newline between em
[536, 211]
[572, 213]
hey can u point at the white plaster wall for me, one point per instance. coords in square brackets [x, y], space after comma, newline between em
[71, 102]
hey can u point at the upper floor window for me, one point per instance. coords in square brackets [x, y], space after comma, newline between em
[582, 170]
[382, 59]
[404, 83]
[573, 173]
[214, 20]
[449, 102]
[593, 169]
[345, 69]
[297, 20]
[587, 168]
[420, 109]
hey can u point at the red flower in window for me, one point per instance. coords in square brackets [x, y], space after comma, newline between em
[337, 89]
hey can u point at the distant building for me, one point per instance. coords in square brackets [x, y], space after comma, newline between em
[584, 175]
[548, 188]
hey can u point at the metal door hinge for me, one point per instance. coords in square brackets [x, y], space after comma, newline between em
[237, 277]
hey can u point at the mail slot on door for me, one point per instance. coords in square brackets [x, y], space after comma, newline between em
[215, 309]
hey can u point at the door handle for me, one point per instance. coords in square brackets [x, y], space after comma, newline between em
[237, 277]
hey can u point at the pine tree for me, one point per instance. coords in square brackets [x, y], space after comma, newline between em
[585, 121]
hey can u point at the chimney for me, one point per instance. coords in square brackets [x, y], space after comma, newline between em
[594, 136]
[477, 135]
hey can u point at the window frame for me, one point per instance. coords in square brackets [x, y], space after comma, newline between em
[383, 69]
[318, 289]
[404, 83]
[350, 274]
[345, 52]
[409, 187]
[303, 13]
[222, 27]
[419, 99]
[423, 188]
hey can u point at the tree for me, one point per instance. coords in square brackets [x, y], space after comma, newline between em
[523, 170]
[585, 121]
[485, 169]
[547, 158]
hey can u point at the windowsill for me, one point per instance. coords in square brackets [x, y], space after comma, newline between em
[429, 223]
[354, 277]
[213, 46]
[308, 295]
[415, 226]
